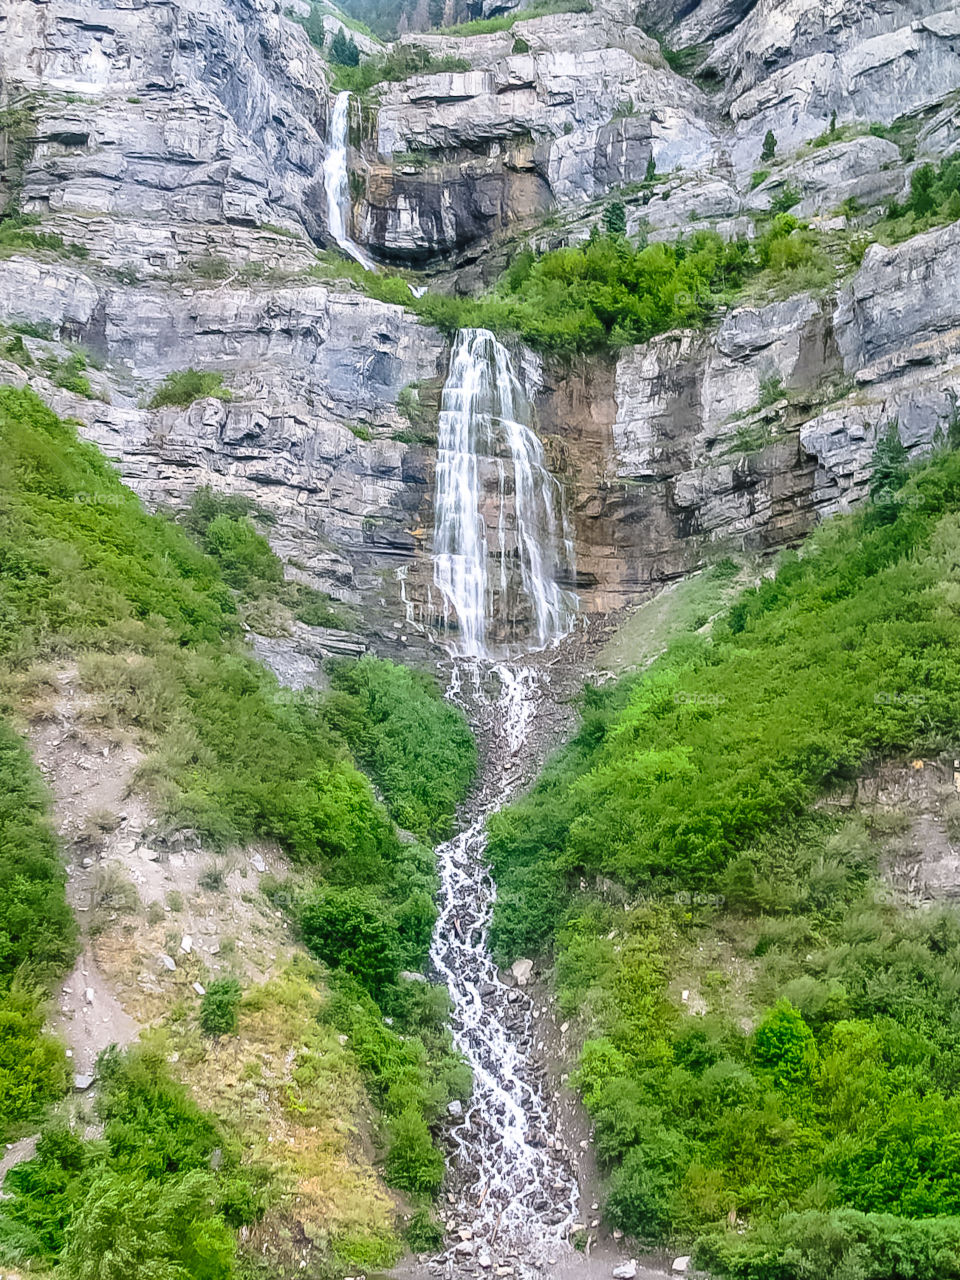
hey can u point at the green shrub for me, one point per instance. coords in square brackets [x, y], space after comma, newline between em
[218, 1009]
[400, 63]
[183, 388]
[36, 925]
[837, 1245]
[413, 1163]
[350, 929]
[343, 50]
[417, 747]
[128, 1226]
[33, 1068]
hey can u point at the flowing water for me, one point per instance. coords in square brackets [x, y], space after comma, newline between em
[512, 1180]
[501, 543]
[336, 182]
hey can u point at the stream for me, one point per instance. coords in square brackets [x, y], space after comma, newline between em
[513, 1186]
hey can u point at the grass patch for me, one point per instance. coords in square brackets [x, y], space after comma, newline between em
[401, 63]
[489, 26]
[187, 386]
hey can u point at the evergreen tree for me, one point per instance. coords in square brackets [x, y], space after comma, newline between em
[615, 219]
[435, 11]
[769, 149]
[889, 467]
[343, 50]
[651, 172]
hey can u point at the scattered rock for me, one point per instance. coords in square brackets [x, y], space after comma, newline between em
[408, 975]
[522, 970]
[455, 1108]
[82, 1082]
[257, 862]
[186, 944]
[626, 1270]
[681, 1264]
[168, 962]
[199, 989]
[88, 995]
[485, 1261]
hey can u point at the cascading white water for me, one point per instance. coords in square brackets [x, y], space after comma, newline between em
[336, 182]
[500, 547]
[484, 432]
[515, 1189]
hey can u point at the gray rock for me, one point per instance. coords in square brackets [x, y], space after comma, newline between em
[522, 970]
[625, 1270]
[82, 1083]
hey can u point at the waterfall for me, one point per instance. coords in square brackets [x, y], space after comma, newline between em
[336, 182]
[513, 1180]
[505, 570]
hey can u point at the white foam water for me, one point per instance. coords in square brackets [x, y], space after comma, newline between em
[336, 183]
[513, 1183]
[508, 573]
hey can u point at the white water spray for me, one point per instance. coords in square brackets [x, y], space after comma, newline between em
[336, 183]
[514, 1183]
[501, 549]
[485, 443]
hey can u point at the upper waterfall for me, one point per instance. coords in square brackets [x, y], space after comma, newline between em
[336, 182]
[497, 569]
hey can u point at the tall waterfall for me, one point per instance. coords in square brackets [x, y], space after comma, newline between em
[506, 568]
[336, 182]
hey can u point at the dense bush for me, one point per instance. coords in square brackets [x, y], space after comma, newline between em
[85, 571]
[350, 929]
[840, 1245]
[37, 938]
[417, 747]
[33, 1069]
[144, 1197]
[403, 61]
[413, 1162]
[36, 925]
[219, 1006]
[934, 200]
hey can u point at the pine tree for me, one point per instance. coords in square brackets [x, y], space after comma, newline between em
[888, 466]
[615, 219]
[769, 149]
[343, 50]
[651, 170]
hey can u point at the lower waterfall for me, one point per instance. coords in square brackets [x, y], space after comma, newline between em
[501, 551]
[336, 183]
[512, 1181]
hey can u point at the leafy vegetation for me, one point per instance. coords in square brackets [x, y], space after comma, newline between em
[933, 201]
[17, 235]
[152, 624]
[184, 387]
[681, 839]
[37, 938]
[218, 1010]
[143, 1197]
[417, 747]
[400, 63]
[487, 26]
[605, 293]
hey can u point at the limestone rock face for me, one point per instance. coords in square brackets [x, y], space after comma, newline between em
[748, 436]
[559, 109]
[308, 433]
[195, 114]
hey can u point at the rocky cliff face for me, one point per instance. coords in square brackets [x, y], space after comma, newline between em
[181, 146]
